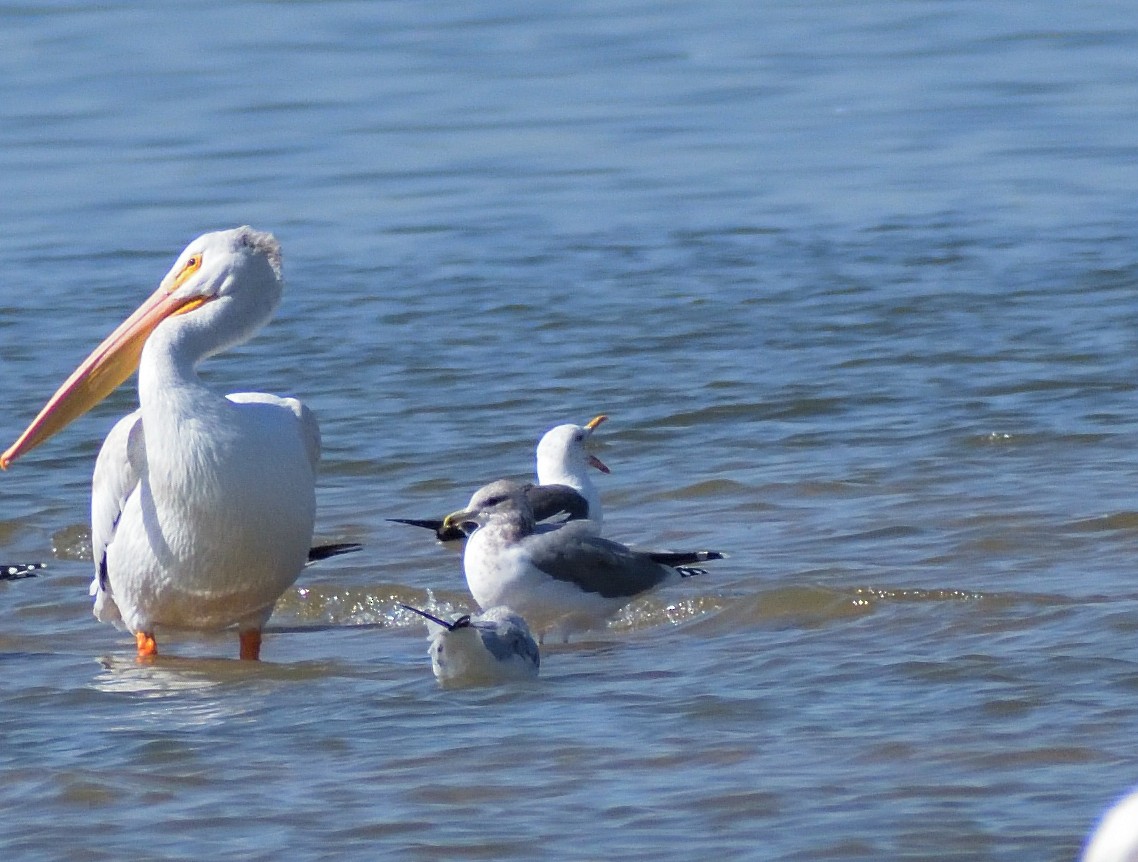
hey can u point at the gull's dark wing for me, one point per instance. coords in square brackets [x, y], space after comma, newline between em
[596, 565]
[549, 501]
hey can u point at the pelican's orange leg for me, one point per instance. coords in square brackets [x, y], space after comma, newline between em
[250, 644]
[147, 646]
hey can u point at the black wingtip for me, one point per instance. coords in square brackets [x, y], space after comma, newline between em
[689, 571]
[442, 533]
[680, 558]
[18, 571]
[323, 552]
[427, 523]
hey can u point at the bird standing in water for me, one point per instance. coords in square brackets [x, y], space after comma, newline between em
[202, 505]
[562, 579]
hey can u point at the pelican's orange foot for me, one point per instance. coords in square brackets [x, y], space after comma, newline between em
[251, 645]
[147, 646]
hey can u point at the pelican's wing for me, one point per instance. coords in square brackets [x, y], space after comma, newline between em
[307, 425]
[121, 462]
[309, 430]
[549, 501]
[571, 553]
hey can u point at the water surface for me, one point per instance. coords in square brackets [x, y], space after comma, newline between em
[855, 284]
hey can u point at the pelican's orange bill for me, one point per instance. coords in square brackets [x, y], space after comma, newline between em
[102, 372]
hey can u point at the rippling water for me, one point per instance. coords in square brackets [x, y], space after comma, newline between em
[855, 284]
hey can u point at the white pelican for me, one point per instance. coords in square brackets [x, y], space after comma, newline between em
[1115, 839]
[562, 579]
[202, 506]
[490, 647]
[564, 489]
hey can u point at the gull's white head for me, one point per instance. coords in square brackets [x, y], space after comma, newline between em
[563, 458]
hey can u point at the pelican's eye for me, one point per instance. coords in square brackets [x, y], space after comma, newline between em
[188, 269]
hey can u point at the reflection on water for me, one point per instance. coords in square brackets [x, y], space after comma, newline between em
[173, 691]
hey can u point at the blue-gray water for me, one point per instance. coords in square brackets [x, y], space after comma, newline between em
[855, 283]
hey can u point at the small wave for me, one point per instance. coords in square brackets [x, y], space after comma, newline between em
[1115, 521]
[321, 606]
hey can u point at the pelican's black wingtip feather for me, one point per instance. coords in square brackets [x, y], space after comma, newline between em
[17, 571]
[323, 552]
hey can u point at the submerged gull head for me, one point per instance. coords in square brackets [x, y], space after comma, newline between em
[479, 649]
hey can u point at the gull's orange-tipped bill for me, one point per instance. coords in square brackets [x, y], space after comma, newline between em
[102, 372]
